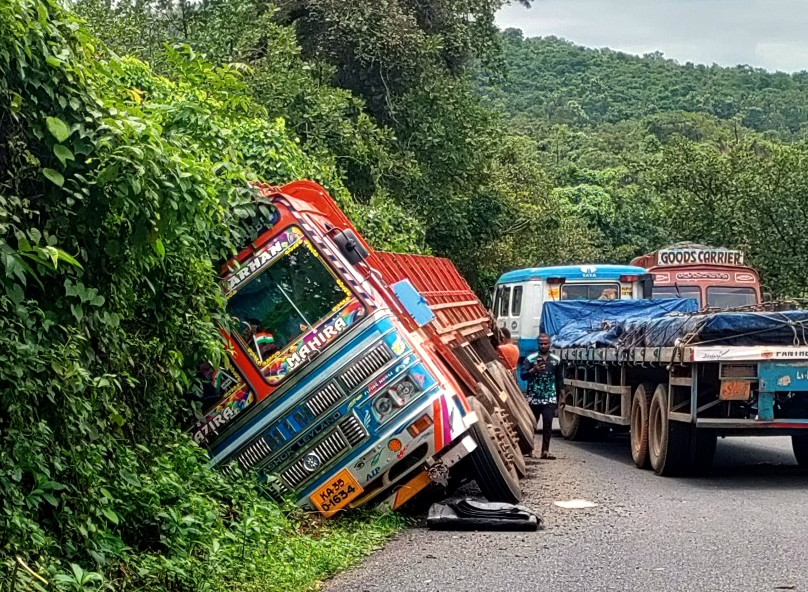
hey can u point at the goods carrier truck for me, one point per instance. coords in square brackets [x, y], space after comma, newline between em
[678, 379]
[356, 376]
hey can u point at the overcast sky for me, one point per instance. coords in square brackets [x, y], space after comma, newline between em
[771, 34]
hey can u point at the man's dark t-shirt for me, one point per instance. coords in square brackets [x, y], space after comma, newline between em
[544, 386]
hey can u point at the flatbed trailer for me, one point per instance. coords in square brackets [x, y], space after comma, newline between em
[677, 400]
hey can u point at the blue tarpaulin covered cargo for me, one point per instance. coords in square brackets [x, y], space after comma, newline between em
[592, 323]
[666, 323]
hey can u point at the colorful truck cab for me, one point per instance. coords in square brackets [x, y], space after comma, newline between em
[715, 277]
[329, 392]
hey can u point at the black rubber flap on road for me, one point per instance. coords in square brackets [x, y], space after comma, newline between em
[469, 514]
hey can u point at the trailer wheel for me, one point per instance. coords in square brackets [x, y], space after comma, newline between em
[510, 442]
[574, 426]
[496, 479]
[799, 444]
[668, 441]
[706, 441]
[515, 407]
[640, 408]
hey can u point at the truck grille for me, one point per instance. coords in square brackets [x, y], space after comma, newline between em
[364, 368]
[254, 454]
[349, 433]
[353, 430]
[325, 451]
[320, 401]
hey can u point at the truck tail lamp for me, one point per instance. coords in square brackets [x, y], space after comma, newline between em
[629, 279]
[555, 281]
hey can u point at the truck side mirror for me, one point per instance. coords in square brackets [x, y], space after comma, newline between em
[767, 296]
[350, 247]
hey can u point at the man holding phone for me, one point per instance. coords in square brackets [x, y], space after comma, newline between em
[543, 373]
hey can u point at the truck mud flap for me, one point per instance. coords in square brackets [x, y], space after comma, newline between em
[469, 514]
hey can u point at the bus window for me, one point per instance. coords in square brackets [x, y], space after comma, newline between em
[590, 292]
[497, 300]
[506, 300]
[726, 297]
[680, 292]
[516, 303]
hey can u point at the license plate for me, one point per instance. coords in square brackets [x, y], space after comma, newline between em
[337, 493]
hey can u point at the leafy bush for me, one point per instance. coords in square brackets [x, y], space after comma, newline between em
[119, 189]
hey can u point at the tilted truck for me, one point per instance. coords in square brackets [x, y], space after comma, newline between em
[678, 379]
[356, 376]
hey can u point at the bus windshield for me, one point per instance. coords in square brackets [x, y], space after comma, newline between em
[727, 297]
[694, 292]
[285, 300]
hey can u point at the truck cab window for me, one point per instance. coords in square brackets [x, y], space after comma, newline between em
[285, 300]
[727, 297]
[661, 292]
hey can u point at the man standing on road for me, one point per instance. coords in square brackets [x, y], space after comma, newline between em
[508, 350]
[543, 374]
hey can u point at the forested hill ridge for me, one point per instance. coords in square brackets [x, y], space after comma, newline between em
[555, 80]
[644, 151]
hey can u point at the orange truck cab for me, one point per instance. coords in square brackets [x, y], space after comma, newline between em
[716, 277]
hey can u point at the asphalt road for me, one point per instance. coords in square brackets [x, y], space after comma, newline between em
[744, 527]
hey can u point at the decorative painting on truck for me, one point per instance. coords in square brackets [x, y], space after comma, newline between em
[305, 349]
[222, 385]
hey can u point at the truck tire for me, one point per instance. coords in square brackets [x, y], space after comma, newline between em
[706, 441]
[511, 444]
[497, 481]
[573, 426]
[515, 407]
[799, 444]
[668, 441]
[640, 408]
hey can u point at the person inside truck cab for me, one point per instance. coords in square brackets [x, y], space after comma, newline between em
[261, 342]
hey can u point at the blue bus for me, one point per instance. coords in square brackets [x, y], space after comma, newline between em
[520, 294]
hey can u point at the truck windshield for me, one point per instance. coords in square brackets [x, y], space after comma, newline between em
[590, 292]
[727, 297]
[285, 300]
[680, 292]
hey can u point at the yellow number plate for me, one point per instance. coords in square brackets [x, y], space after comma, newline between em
[337, 493]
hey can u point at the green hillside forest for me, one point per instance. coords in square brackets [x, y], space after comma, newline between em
[129, 132]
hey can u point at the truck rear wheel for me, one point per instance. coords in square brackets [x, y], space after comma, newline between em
[496, 478]
[668, 441]
[515, 407]
[574, 426]
[706, 441]
[510, 443]
[640, 407]
[799, 444]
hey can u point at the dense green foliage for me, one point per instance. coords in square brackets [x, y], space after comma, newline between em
[647, 152]
[119, 191]
[127, 144]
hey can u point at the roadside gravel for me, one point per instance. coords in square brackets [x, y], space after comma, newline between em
[744, 528]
